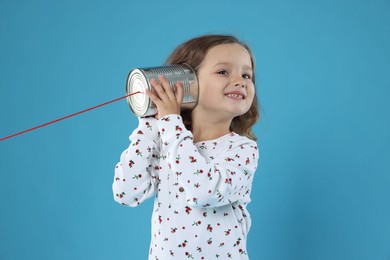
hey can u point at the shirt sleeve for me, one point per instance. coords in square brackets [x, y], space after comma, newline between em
[135, 180]
[227, 178]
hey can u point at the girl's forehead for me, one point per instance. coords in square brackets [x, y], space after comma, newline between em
[228, 54]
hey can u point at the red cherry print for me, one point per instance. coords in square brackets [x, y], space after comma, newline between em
[192, 159]
[209, 228]
[131, 163]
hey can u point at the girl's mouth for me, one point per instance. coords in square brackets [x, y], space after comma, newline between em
[234, 96]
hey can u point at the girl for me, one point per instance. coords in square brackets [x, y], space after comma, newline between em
[199, 163]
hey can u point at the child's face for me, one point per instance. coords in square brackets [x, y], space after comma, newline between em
[225, 81]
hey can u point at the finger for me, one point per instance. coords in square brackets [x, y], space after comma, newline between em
[167, 87]
[159, 89]
[179, 92]
[155, 99]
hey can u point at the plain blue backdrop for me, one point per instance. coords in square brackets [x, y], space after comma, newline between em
[322, 191]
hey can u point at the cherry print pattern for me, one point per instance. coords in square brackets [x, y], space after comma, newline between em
[201, 190]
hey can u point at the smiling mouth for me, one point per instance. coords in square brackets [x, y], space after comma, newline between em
[235, 96]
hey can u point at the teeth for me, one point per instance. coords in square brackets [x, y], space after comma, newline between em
[235, 96]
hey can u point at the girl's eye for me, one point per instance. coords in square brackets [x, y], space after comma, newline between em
[222, 72]
[247, 76]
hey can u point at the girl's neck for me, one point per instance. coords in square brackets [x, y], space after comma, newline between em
[204, 129]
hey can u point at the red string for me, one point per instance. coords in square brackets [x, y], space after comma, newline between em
[65, 117]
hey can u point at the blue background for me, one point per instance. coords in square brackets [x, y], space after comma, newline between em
[323, 80]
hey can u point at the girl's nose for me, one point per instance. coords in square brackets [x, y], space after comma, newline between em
[239, 83]
[238, 80]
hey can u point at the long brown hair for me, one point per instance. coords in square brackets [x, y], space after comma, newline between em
[193, 52]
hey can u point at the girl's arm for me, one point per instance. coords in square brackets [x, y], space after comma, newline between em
[135, 180]
[226, 178]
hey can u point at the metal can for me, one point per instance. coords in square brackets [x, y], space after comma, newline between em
[138, 80]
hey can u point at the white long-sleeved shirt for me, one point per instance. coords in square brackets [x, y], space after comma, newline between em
[202, 189]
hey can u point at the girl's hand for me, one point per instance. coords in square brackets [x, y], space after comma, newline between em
[167, 100]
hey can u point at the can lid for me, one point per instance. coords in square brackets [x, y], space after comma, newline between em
[136, 82]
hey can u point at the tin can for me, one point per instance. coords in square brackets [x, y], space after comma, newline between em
[138, 80]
